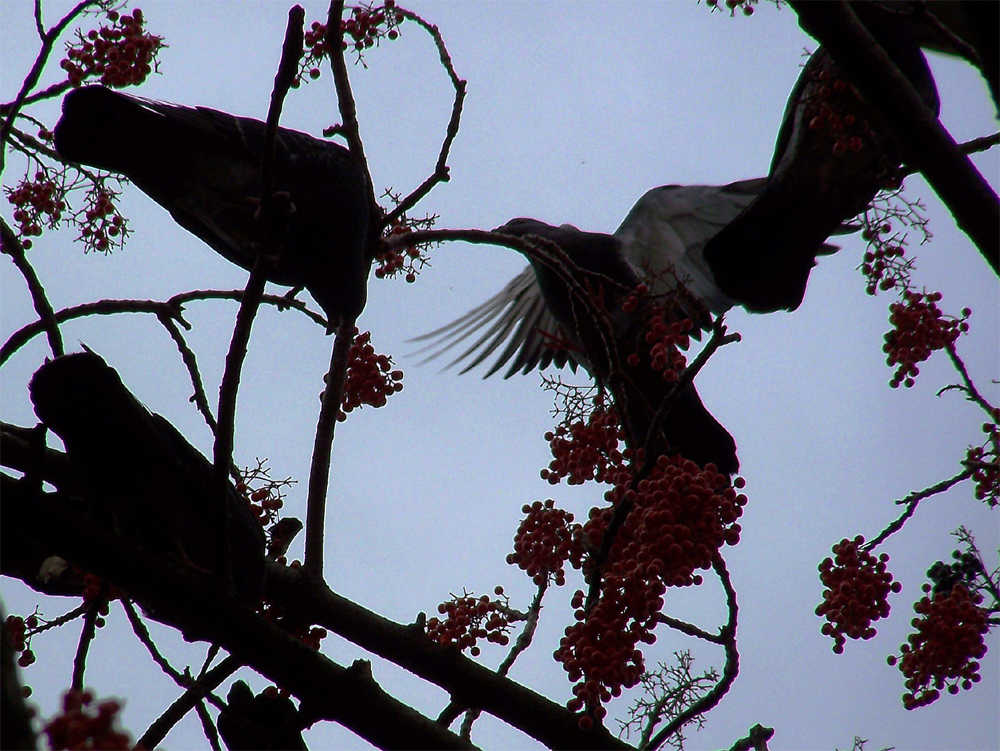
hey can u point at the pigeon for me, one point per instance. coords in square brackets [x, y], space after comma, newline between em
[833, 154]
[689, 429]
[203, 166]
[662, 239]
[139, 476]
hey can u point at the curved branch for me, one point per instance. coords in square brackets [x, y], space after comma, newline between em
[729, 673]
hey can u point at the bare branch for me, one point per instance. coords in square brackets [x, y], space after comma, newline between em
[729, 673]
[12, 247]
[911, 502]
[440, 173]
[319, 470]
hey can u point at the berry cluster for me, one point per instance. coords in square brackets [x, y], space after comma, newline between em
[102, 225]
[122, 54]
[744, 5]
[668, 330]
[884, 266]
[944, 576]
[944, 650]
[986, 462]
[470, 619]
[544, 542]
[404, 260]
[680, 516]
[18, 628]
[370, 379]
[857, 592]
[584, 451]
[366, 27]
[84, 726]
[36, 204]
[919, 328]
[666, 340]
[265, 501]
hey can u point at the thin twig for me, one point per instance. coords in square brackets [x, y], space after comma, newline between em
[71, 615]
[156, 732]
[729, 673]
[911, 502]
[441, 173]
[191, 363]
[48, 40]
[970, 388]
[208, 726]
[142, 634]
[319, 470]
[12, 246]
[87, 635]
[687, 628]
[522, 642]
[171, 308]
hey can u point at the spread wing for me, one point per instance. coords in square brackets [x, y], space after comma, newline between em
[517, 319]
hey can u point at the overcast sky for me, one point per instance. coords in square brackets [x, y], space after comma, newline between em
[573, 112]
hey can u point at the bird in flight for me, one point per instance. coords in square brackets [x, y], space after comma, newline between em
[203, 166]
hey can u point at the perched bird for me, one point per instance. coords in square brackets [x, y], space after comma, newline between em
[203, 166]
[259, 723]
[138, 474]
[689, 429]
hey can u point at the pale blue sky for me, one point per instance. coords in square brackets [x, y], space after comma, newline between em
[573, 112]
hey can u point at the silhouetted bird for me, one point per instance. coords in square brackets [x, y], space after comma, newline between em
[263, 722]
[139, 475]
[834, 152]
[203, 166]
[689, 429]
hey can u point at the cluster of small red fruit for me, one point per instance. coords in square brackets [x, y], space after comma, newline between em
[366, 27]
[986, 461]
[919, 328]
[36, 203]
[884, 264]
[86, 724]
[857, 592]
[585, 450]
[679, 519]
[545, 540]
[370, 378]
[468, 619]
[123, 54]
[943, 651]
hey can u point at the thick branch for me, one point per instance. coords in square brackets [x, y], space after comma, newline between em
[193, 602]
[469, 683]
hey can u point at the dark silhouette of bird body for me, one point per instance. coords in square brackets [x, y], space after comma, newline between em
[203, 166]
[259, 723]
[139, 475]
[833, 153]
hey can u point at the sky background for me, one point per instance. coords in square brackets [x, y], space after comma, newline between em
[573, 112]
